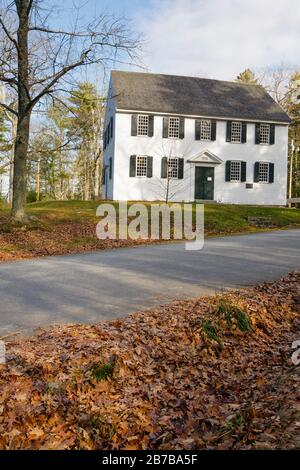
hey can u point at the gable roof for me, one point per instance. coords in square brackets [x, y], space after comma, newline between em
[191, 96]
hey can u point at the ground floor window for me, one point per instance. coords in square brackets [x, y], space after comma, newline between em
[173, 168]
[141, 166]
[235, 171]
[263, 174]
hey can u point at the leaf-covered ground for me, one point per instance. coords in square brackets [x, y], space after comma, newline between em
[214, 372]
[66, 227]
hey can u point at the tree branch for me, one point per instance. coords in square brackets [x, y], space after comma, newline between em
[8, 34]
[8, 108]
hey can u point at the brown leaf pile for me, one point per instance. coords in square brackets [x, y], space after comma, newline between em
[154, 380]
[61, 239]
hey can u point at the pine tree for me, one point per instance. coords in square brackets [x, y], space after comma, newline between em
[247, 77]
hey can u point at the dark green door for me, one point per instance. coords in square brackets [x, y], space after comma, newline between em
[204, 183]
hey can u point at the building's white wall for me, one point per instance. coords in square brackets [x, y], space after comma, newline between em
[109, 152]
[126, 188]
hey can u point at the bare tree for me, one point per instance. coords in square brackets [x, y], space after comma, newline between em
[175, 174]
[36, 59]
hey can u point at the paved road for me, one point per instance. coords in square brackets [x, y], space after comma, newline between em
[111, 284]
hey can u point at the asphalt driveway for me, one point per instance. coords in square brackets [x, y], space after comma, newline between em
[110, 284]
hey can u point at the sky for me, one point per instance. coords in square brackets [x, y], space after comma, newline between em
[210, 38]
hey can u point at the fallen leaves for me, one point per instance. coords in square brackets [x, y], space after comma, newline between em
[161, 379]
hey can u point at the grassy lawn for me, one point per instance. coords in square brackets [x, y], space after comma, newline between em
[63, 227]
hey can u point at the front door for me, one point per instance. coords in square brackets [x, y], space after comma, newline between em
[204, 183]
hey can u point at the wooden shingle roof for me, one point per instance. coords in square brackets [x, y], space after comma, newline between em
[192, 96]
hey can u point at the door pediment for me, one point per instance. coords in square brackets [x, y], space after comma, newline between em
[206, 157]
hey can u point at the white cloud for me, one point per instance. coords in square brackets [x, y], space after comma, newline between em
[220, 38]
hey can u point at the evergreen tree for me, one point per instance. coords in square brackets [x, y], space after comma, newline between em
[247, 77]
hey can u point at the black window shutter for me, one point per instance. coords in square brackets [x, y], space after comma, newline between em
[213, 130]
[197, 129]
[104, 140]
[165, 127]
[244, 132]
[110, 168]
[227, 171]
[149, 167]
[151, 126]
[103, 176]
[134, 125]
[111, 127]
[271, 172]
[132, 166]
[180, 168]
[272, 134]
[228, 131]
[108, 132]
[256, 172]
[181, 127]
[164, 167]
[243, 172]
[257, 133]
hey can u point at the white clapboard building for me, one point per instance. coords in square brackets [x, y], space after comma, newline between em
[187, 138]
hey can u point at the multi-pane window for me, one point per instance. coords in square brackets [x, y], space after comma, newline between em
[142, 124]
[235, 171]
[236, 132]
[205, 130]
[265, 133]
[174, 127]
[263, 175]
[141, 166]
[173, 168]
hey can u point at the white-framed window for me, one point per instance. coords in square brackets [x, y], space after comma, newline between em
[142, 125]
[173, 168]
[264, 172]
[265, 131]
[236, 132]
[174, 124]
[205, 130]
[235, 171]
[141, 165]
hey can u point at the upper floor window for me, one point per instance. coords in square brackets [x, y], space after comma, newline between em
[265, 134]
[205, 130]
[236, 132]
[142, 125]
[141, 166]
[174, 127]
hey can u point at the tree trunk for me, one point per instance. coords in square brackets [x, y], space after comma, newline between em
[24, 113]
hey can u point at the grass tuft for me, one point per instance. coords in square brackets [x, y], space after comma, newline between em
[231, 312]
[211, 332]
[103, 371]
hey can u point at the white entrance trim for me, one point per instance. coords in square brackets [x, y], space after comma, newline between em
[205, 157]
